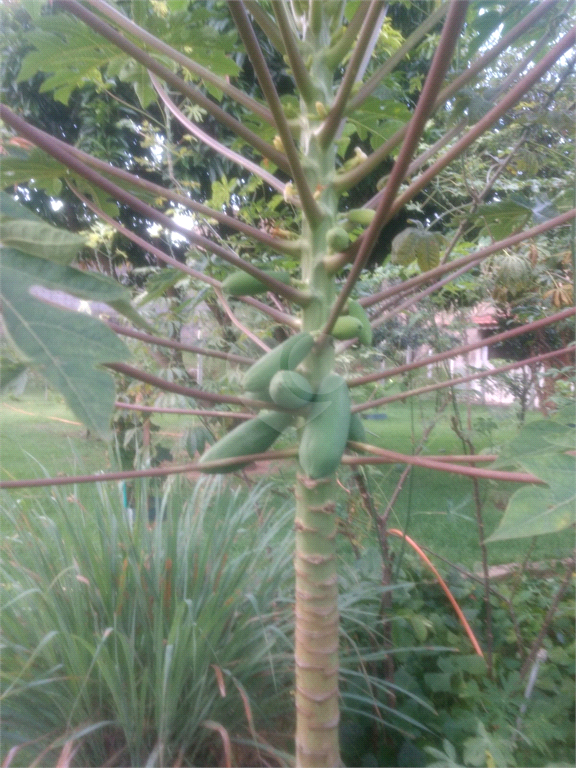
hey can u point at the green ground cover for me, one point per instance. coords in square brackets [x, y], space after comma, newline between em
[71, 547]
[39, 435]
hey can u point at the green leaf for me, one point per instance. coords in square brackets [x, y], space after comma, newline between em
[439, 681]
[540, 437]
[10, 208]
[67, 347]
[487, 750]
[534, 510]
[471, 663]
[428, 250]
[503, 218]
[35, 166]
[68, 51]
[420, 627]
[415, 243]
[40, 239]
[9, 371]
[133, 72]
[196, 440]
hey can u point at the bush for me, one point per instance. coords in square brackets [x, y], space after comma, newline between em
[122, 640]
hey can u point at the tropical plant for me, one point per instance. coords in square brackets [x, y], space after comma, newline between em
[124, 641]
[367, 96]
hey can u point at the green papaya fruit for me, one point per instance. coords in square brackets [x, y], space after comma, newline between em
[355, 309]
[361, 215]
[289, 389]
[240, 283]
[326, 430]
[254, 436]
[356, 431]
[284, 357]
[337, 239]
[347, 327]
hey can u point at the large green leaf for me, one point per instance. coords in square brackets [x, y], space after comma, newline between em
[10, 208]
[535, 510]
[67, 347]
[68, 52]
[541, 436]
[415, 243]
[10, 371]
[29, 234]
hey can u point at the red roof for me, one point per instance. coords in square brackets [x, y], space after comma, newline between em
[485, 320]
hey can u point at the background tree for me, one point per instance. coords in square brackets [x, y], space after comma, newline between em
[340, 118]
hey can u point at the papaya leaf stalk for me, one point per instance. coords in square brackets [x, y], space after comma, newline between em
[316, 160]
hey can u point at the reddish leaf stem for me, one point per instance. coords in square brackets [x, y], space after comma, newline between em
[461, 380]
[465, 348]
[444, 586]
[381, 454]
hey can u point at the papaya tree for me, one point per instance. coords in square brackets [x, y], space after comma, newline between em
[378, 104]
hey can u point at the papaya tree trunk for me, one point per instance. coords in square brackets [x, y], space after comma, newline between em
[316, 641]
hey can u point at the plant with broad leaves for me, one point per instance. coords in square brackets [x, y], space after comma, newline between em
[359, 94]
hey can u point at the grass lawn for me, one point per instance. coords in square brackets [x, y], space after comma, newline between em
[38, 429]
[437, 509]
[41, 436]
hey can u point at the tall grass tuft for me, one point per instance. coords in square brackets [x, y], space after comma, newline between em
[126, 643]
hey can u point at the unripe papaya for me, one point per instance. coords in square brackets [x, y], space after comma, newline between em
[356, 431]
[284, 357]
[347, 327]
[254, 436]
[355, 309]
[242, 284]
[262, 394]
[337, 239]
[289, 389]
[361, 215]
[326, 430]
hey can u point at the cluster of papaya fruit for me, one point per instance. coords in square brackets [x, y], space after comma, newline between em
[354, 324]
[329, 424]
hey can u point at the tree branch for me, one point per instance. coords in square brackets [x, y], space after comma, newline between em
[192, 66]
[299, 71]
[436, 74]
[449, 135]
[309, 206]
[461, 380]
[315, 15]
[496, 339]
[266, 24]
[291, 248]
[346, 180]
[288, 247]
[471, 259]
[176, 82]
[163, 342]
[238, 324]
[216, 145]
[132, 474]
[71, 161]
[411, 42]
[475, 131]
[179, 389]
[335, 54]
[184, 411]
[383, 455]
[332, 122]
[280, 317]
